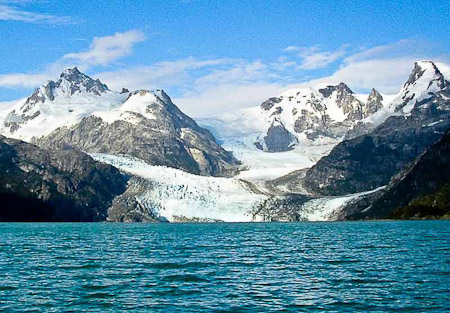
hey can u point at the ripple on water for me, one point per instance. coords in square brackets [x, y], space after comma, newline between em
[292, 267]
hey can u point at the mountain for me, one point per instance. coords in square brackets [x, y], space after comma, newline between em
[150, 127]
[306, 113]
[59, 103]
[54, 185]
[420, 191]
[79, 112]
[307, 154]
[417, 118]
[294, 130]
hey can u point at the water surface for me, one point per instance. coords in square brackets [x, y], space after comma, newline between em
[290, 267]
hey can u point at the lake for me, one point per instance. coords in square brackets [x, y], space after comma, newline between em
[259, 267]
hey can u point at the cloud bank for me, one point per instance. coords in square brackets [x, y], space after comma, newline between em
[209, 86]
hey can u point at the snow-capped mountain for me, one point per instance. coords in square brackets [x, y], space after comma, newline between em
[416, 119]
[80, 112]
[425, 81]
[305, 113]
[59, 103]
[295, 129]
[296, 137]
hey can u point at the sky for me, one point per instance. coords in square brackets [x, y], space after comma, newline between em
[218, 56]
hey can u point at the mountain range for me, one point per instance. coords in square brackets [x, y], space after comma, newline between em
[87, 153]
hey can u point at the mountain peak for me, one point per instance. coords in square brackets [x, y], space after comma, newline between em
[424, 80]
[341, 88]
[420, 69]
[70, 71]
[374, 94]
[72, 81]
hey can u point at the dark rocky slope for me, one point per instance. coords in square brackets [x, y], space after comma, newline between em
[421, 191]
[64, 185]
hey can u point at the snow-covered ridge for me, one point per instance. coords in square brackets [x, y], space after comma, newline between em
[311, 121]
[137, 102]
[426, 79]
[59, 103]
[65, 102]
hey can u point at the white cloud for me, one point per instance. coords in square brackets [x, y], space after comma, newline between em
[314, 58]
[13, 13]
[291, 48]
[22, 80]
[401, 47]
[162, 74]
[222, 98]
[204, 87]
[385, 75]
[104, 50]
[241, 84]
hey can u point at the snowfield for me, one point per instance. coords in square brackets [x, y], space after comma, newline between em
[63, 111]
[178, 193]
[261, 166]
[326, 209]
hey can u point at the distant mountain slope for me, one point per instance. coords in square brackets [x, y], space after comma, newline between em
[80, 112]
[295, 129]
[423, 190]
[150, 127]
[64, 185]
[419, 116]
[310, 114]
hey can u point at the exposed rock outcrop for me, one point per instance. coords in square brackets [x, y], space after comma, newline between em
[420, 191]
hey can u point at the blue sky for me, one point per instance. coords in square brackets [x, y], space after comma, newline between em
[213, 56]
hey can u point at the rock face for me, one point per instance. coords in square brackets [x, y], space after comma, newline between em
[128, 208]
[421, 116]
[306, 113]
[279, 139]
[64, 185]
[374, 103]
[150, 127]
[422, 190]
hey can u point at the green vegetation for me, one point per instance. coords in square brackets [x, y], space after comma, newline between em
[435, 205]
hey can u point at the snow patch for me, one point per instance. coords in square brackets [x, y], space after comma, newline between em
[323, 209]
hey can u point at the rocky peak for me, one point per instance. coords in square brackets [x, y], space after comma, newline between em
[374, 103]
[72, 81]
[374, 94]
[424, 67]
[345, 100]
[269, 103]
[424, 81]
[342, 89]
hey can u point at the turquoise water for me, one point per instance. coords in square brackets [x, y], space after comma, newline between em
[292, 267]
